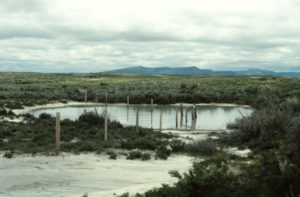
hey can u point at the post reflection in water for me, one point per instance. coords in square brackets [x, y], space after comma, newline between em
[208, 117]
[127, 113]
[152, 118]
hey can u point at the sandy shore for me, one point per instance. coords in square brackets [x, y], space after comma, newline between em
[73, 175]
[53, 105]
[14, 119]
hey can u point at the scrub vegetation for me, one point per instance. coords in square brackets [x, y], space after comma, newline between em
[37, 135]
[27, 89]
[272, 132]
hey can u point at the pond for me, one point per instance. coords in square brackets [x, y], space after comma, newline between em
[209, 117]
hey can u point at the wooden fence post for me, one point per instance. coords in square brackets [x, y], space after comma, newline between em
[137, 121]
[57, 133]
[195, 111]
[192, 113]
[105, 126]
[186, 118]
[176, 117]
[160, 125]
[85, 96]
[106, 99]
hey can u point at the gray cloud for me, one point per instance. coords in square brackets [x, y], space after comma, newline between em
[89, 36]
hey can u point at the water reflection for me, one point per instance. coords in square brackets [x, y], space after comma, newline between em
[208, 117]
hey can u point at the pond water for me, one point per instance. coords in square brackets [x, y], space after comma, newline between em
[209, 117]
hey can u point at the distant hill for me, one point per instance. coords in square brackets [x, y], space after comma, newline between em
[193, 70]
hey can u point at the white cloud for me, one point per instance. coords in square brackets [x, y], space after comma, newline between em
[97, 35]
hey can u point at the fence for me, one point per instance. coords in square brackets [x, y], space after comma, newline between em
[141, 116]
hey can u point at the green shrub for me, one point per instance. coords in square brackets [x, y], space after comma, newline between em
[28, 103]
[3, 111]
[146, 156]
[134, 155]
[214, 177]
[45, 116]
[63, 101]
[138, 155]
[145, 142]
[114, 124]
[162, 153]
[14, 105]
[8, 155]
[92, 118]
[87, 147]
[42, 101]
[112, 155]
[204, 147]
[28, 116]
[177, 145]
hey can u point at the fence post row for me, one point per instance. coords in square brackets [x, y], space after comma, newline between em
[105, 125]
[57, 138]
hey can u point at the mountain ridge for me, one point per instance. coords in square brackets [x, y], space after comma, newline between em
[193, 70]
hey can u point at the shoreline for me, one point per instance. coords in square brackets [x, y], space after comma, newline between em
[78, 104]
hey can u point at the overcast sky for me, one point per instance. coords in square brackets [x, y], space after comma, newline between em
[98, 35]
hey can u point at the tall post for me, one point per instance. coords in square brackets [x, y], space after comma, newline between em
[194, 122]
[160, 125]
[137, 121]
[192, 113]
[186, 117]
[127, 101]
[176, 117]
[57, 133]
[85, 96]
[151, 102]
[195, 111]
[106, 99]
[105, 126]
